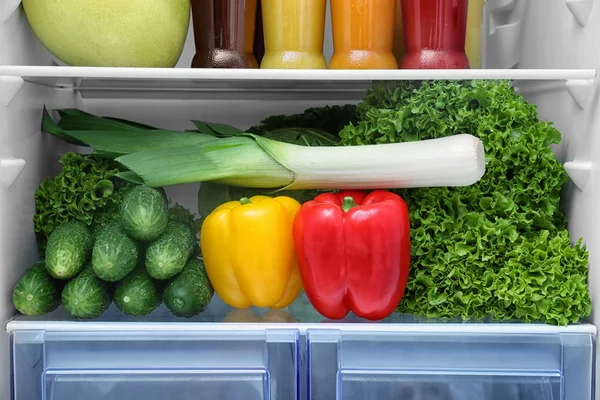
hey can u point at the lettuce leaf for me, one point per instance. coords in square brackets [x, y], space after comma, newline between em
[85, 190]
[498, 249]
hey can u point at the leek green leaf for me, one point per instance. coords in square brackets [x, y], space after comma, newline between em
[84, 117]
[71, 111]
[302, 136]
[131, 177]
[93, 123]
[219, 130]
[121, 143]
[237, 161]
[131, 123]
[49, 126]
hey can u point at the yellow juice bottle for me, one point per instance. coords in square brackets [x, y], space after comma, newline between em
[293, 33]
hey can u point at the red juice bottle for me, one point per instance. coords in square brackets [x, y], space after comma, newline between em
[435, 33]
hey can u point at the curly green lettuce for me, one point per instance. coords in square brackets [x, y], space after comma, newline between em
[84, 190]
[179, 213]
[498, 249]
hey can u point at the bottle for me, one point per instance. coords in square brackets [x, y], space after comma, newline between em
[259, 39]
[294, 31]
[434, 32]
[473, 41]
[363, 34]
[399, 48]
[224, 33]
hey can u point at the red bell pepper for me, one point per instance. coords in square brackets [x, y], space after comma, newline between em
[353, 251]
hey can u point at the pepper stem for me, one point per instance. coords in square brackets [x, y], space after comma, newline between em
[348, 204]
[245, 200]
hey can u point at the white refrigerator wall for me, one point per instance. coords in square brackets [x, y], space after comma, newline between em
[558, 34]
[517, 33]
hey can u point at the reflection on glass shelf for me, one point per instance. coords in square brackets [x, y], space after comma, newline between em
[301, 311]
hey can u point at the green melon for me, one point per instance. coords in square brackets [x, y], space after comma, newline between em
[111, 33]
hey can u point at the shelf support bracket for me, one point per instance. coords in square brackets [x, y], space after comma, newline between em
[580, 90]
[581, 10]
[579, 172]
[9, 88]
[8, 8]
[10, 170]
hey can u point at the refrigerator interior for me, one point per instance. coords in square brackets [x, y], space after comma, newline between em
[550, 48]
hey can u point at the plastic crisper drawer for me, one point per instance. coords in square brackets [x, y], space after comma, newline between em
[221, 354]
[155, 365]
[430, 364]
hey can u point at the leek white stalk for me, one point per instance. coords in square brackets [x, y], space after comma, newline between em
[450, 161]
[264, 163]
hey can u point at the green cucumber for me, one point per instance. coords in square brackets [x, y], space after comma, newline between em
[36, 292]
[86, 296]
[114, 254]
[190, 292]
[167, 255]
[138, 294]
[68, 249]
[143, 213]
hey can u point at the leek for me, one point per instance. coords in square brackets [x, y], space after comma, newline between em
[223, 154]
[236, 161]
[259, 162]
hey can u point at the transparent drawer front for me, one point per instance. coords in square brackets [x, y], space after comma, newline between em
[249, 365]
[447, 366]
[159, 385]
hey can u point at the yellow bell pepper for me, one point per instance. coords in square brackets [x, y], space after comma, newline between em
[248, 252]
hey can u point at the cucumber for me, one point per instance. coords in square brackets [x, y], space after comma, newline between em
[36, 292]
[138, 294]
[114, 254]
[68, 249]
[190, 292]
[167, 255]
[143, 213]
[86, 296]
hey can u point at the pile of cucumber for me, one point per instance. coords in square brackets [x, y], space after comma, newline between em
[146, 256]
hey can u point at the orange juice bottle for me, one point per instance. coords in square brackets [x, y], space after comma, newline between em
[294, 31]
[363, 34]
